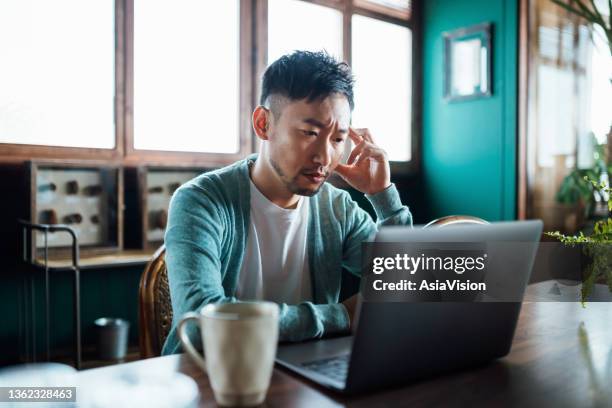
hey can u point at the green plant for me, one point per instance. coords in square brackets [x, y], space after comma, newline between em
[576, 187]
[597, 246]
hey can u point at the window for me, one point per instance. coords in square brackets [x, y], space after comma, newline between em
[57, 88]
[186, 76]
[290, 28]
[396, 4]
[600, 99]
[396, 8]
[377, 44]
[175, 81]
[565, 77]
[382, 65]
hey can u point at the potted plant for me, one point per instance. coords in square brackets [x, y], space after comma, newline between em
[576, 188]
[597, 246]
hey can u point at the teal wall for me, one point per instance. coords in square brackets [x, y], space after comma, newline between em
[469, 148]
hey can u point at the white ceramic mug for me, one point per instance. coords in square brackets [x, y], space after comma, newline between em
[239, 341]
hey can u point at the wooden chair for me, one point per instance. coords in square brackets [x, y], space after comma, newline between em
[451, 220]
[154, 306]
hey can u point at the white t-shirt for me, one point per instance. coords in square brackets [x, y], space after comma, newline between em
[275, 264]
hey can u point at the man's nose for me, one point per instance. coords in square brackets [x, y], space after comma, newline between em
[323, 154]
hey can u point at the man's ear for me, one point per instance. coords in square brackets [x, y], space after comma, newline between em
[261, 122]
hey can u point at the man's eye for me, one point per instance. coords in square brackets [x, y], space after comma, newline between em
[309, 132]
[339, 140]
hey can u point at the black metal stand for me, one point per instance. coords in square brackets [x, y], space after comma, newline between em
[28, 306]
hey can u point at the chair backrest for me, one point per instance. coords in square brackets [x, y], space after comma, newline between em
[450, 220]
[155, 308]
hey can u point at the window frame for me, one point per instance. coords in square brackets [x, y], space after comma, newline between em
[253, 62]
[378, 12]
[138, 156]
[412, 20]
[16, 152]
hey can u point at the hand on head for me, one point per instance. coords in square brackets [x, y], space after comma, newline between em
[367, 168]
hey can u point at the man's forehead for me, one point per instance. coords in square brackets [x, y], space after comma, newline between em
[322, 112]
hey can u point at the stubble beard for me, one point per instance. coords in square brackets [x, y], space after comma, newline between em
[292, 184]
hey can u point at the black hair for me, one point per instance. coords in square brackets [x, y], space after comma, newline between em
[306, 74]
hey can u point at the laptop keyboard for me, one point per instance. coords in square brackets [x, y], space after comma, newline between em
[335, 368]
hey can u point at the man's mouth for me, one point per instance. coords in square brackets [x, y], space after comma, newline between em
[315, 177]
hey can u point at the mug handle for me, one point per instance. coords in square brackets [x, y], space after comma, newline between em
[189, 348]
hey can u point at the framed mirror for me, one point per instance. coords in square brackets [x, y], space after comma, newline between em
[467, 63]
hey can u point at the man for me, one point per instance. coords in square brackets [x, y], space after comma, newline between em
[269, 227]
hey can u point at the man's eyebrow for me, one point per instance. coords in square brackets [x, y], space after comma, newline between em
[315, 122]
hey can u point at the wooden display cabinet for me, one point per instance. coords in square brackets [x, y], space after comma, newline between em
[147, 195]
[85, 196]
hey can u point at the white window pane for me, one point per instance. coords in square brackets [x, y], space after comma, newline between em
[601, 87]
[297, 25]
[555, 95]
[57, 72]
[382, 65]
[186, 75]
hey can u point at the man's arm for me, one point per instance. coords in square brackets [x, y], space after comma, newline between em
[389, 211]
[367, 170]
[195, 241]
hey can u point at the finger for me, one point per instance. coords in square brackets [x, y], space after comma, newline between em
[367, 135]
[355, 136]
[356, 152]
[363, 159]
[370, 152]
[363, 155]
[343, 170]
[377, 153]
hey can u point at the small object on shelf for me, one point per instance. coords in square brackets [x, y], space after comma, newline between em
[92, 191]
[148, 193]
[47, 187]
[88, 196]
[72, 187]
[47, 217]
[158, 219]
[172, 187]
[74, 218]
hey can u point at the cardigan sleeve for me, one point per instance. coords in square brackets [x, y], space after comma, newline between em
[361, 228]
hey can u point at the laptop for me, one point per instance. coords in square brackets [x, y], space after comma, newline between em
[394, 343]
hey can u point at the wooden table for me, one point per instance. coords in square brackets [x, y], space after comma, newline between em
[558, 359]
